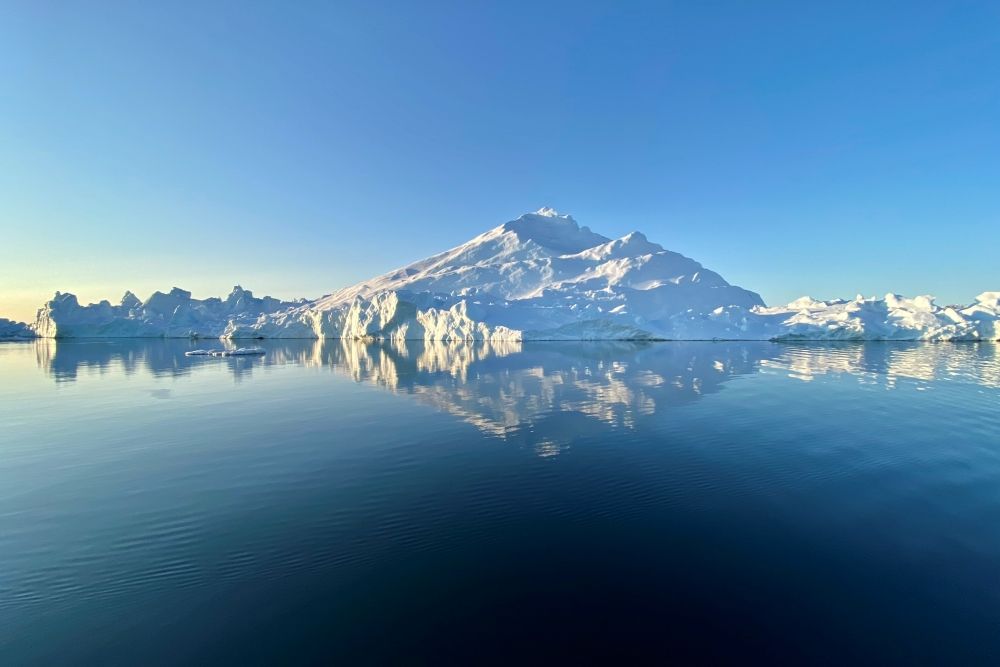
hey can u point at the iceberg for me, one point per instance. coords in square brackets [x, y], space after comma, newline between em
[893, 317]
[541, 276]
[173, 314]
[11, 330]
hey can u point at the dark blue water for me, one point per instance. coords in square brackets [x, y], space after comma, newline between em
[440, 504]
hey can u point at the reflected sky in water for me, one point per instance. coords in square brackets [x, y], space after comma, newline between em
[351, 502]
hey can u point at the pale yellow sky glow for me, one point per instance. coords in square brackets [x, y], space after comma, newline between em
[20, 308]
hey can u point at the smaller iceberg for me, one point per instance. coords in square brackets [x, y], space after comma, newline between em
[238, 352]
[11, 330]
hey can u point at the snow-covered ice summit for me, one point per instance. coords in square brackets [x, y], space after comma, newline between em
[540, 276]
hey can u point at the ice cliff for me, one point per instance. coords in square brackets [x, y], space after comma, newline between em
[541, 276]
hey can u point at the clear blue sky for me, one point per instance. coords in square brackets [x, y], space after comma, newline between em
[795, 147]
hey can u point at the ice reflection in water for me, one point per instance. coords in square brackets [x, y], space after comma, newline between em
[886, 364]
[503, 388]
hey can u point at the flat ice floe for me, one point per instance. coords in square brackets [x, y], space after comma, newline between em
[238, 352]
[539, 277]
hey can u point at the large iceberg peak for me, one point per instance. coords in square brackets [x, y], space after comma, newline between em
[549, 212]
[553, 231]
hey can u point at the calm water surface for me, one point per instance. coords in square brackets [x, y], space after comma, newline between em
[432, 504]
